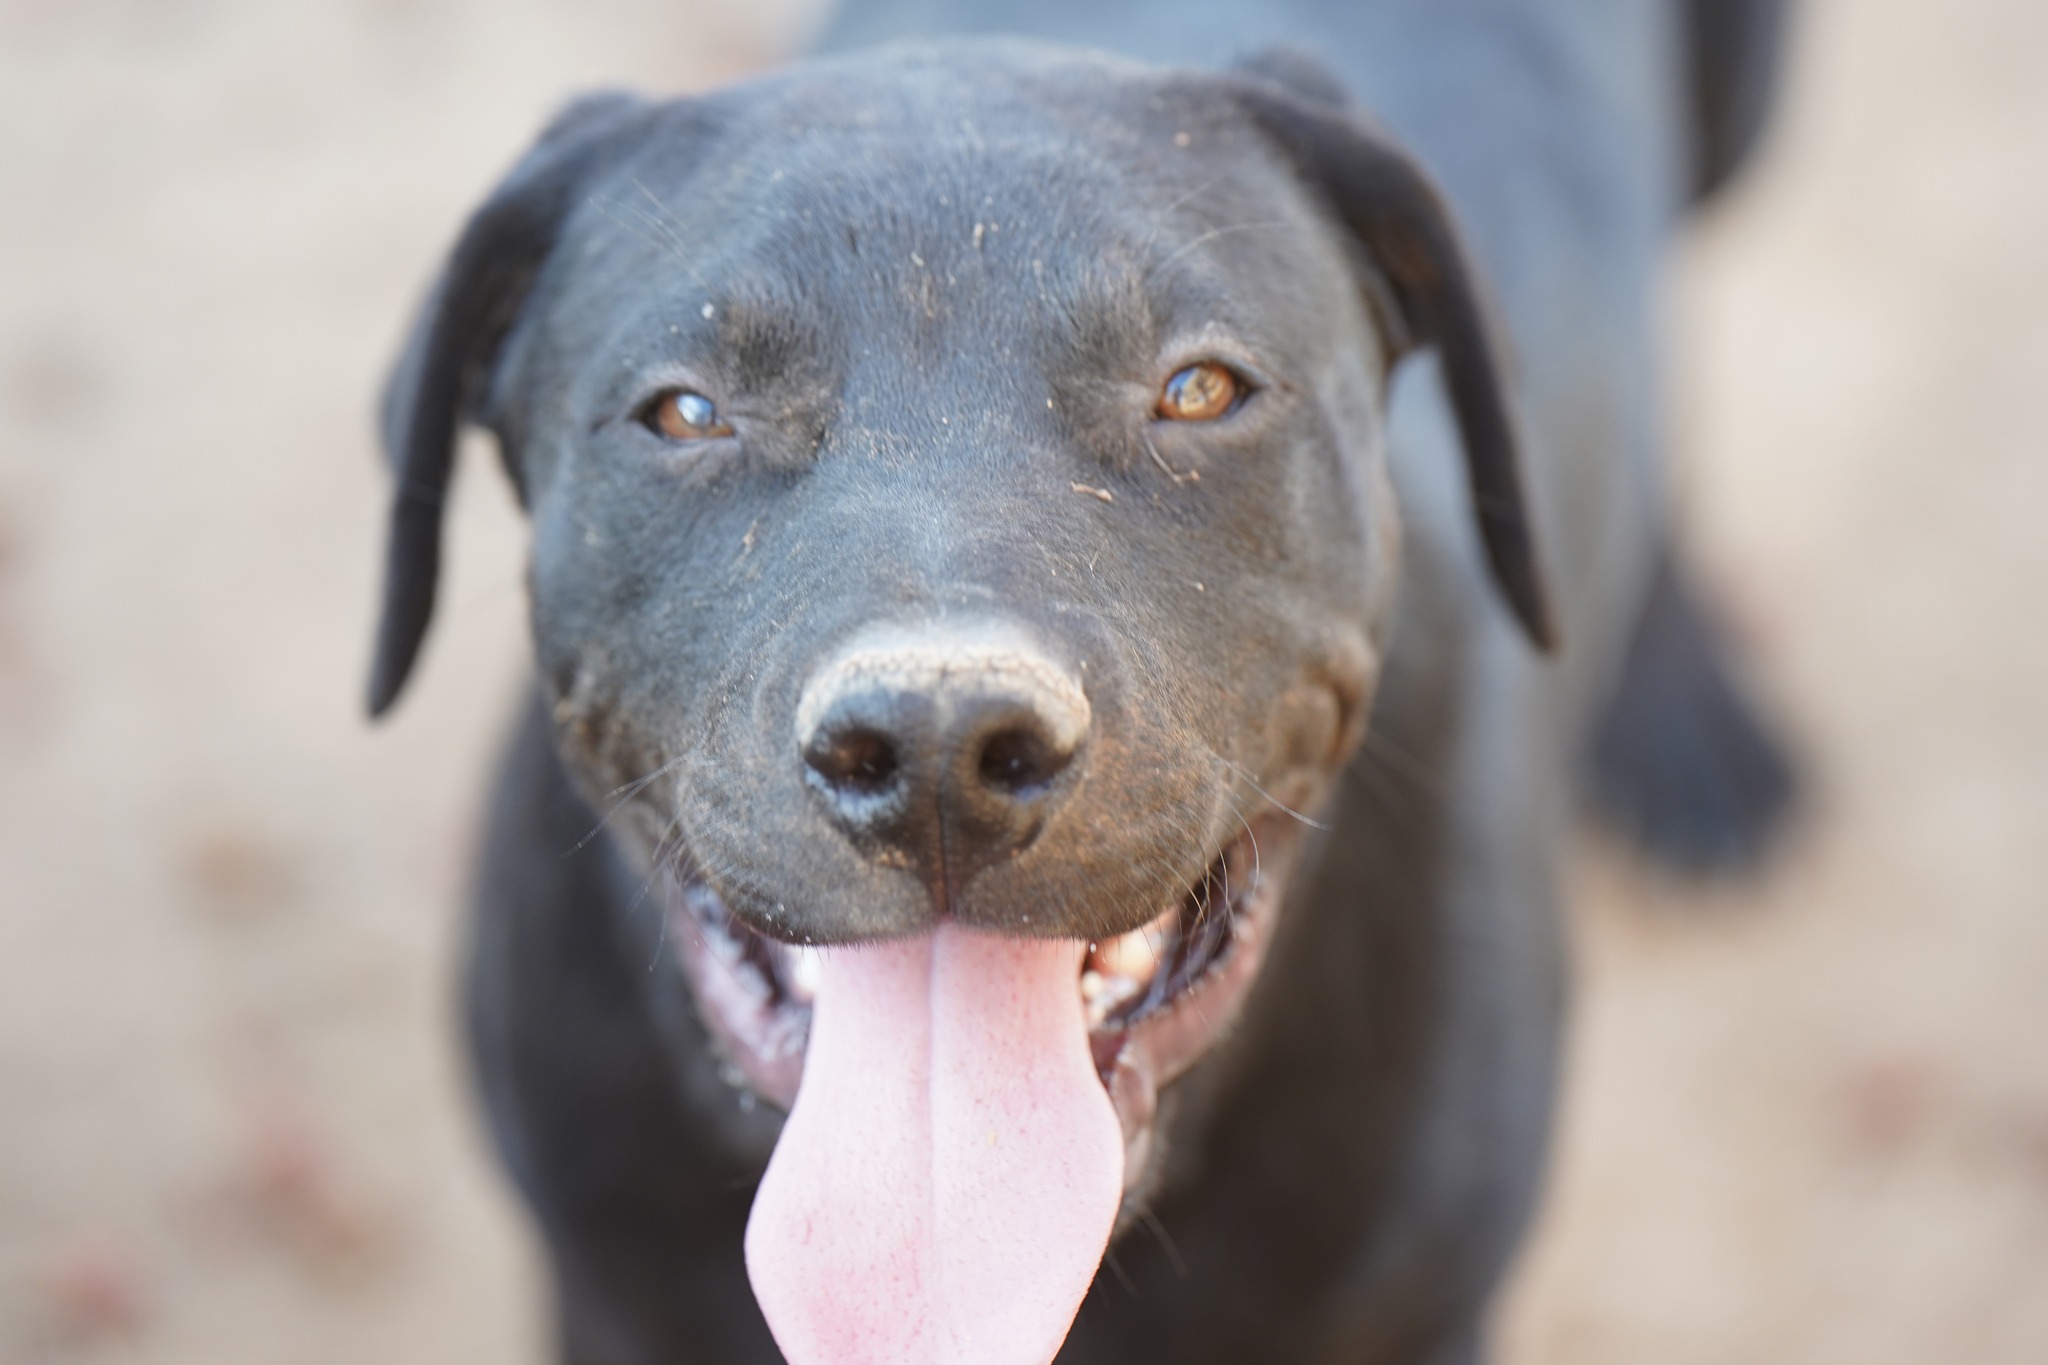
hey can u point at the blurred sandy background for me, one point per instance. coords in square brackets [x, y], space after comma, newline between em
[1808, 1119]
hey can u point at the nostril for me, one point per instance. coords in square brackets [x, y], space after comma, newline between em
[857, 760]
[939, 751]
[1020, 762]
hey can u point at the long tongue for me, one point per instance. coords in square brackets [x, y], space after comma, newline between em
[950, 1172]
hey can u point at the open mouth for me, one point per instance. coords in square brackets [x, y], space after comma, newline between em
[1154, 999]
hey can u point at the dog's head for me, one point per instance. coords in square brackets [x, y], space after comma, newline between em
[962, 539]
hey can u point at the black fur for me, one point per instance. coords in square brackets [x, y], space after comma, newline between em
[1399, 219]
[1736, 49]
[934, 289]
[1682, 763]
[448, 358]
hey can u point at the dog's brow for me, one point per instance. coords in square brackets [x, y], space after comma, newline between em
[1224, 230]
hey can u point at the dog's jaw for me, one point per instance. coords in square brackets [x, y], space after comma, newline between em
[1155, 1000]
[1128, 1014]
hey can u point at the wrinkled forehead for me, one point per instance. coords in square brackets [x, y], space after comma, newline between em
[1007, 117]
[918, 191]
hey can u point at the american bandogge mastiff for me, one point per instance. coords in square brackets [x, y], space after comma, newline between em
[1079, 551]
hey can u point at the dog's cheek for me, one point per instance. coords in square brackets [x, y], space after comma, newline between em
[1310, 725]
[589, 733]
[579, 662]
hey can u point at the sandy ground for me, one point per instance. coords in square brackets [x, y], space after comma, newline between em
[1808, 1119]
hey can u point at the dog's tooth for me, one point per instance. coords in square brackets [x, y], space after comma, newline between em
[1093, 1005]
[1133, 956]
[803, 965]
[1102, 994]
[1130, 955]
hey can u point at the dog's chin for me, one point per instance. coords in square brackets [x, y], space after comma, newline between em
[1156, 1000]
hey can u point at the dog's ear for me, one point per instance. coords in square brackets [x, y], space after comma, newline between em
[1386, 201]
[1297, 71]
[446, 364]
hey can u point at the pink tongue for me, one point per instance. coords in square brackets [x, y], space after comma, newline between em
[952, 1166]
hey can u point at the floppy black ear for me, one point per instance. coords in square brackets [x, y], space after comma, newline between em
[454, 344]
[1394, 210]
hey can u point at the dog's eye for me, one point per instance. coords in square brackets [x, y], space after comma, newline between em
[1202, 392]
[682, 415]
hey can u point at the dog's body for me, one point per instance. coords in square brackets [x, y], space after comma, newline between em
[1345, 1176]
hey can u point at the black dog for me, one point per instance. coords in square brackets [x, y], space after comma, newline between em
[964, 582]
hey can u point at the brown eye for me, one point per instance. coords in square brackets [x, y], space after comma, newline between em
[1200, 393]
[682, 415]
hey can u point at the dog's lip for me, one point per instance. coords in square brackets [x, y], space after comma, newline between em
[760, 1025]
[760, 1037]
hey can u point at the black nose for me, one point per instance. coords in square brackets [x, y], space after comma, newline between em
[939, 753]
